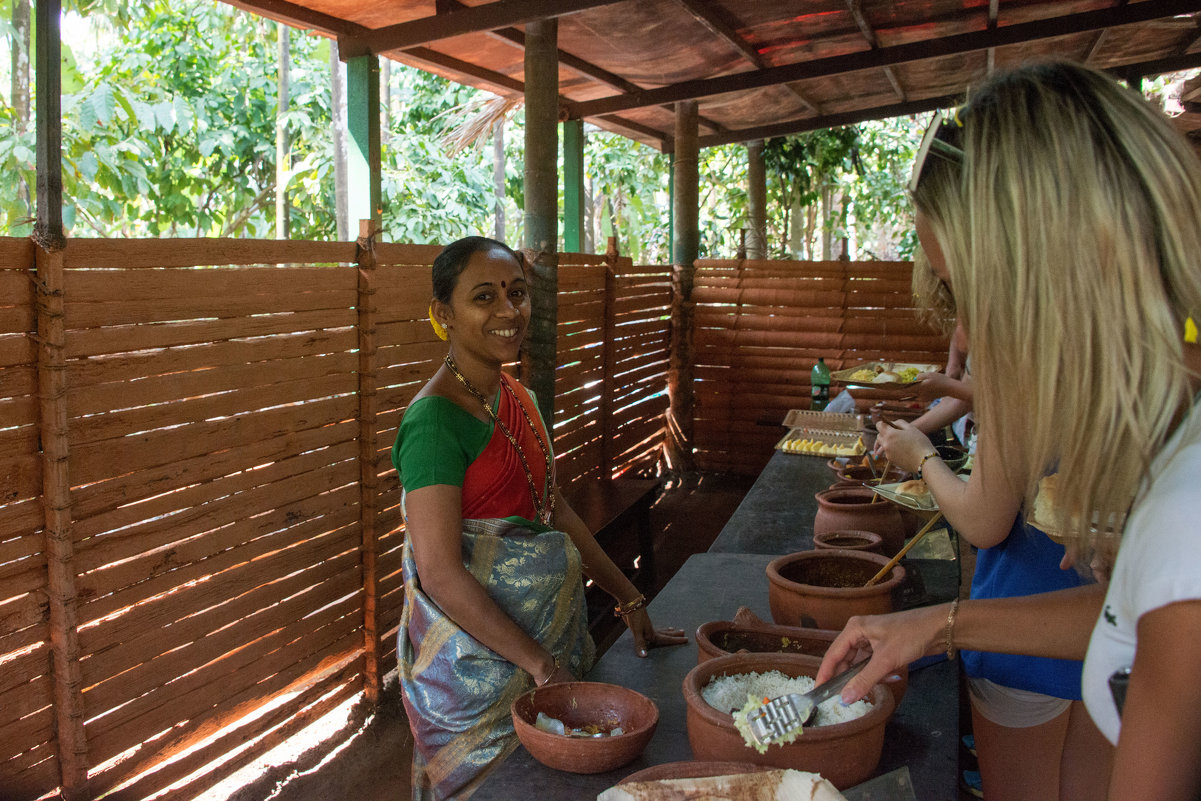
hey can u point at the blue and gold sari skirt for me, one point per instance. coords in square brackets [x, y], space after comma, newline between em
[457, 692]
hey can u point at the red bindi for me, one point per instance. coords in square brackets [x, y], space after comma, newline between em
[503, 284]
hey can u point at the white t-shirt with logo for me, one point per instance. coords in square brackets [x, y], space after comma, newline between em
[1159, 563]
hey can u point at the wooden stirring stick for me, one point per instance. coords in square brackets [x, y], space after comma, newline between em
[893, 562]
[880, 478]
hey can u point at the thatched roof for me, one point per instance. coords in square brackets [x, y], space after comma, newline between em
[757, 67]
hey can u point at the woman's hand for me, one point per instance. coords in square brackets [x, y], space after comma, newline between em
[903, 444]
[892, 642]
[646, 636]
[930, 386]
[554, 674]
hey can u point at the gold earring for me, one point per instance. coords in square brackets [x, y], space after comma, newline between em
[439, 329]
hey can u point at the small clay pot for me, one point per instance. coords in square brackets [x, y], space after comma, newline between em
[824, 589]
[844, 753]
[578, 704]
[860, 474]
[848, 540]
[851, 508]
[748, 633]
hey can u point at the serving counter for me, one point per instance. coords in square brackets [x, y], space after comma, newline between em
[775, 517]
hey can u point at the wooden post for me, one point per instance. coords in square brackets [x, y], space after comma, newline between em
[573, 186]
[756, 205]
[686, 247]
[368, 456]
[48, 227]
[609, 360]
[542, 205]
[58, 544]
[363, 159]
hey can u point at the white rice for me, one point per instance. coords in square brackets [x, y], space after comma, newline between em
[729, 693]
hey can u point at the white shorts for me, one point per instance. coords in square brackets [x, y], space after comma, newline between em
[1013, 708]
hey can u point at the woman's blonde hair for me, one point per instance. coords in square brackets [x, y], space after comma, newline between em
[1072, 232]
[934, 302]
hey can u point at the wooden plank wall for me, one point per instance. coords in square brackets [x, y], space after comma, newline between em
[28, 748]
[760, 326]
[235, 536]
[612, 350]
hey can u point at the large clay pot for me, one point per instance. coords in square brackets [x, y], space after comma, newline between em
[848, 540]
[747, 632]
[840, 508]
[844, 753]
[824, 589]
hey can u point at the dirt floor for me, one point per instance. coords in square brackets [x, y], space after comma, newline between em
[367, 758]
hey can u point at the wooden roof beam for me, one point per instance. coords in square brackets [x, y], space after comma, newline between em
[994, 11]
[718, 27]
[897, 54]
[831, 120]
[472, 19]
[295, 14]
[503, 81]
[869, 33]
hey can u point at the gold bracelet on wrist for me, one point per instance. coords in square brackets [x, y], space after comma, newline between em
[922, 464]
[553, 670]
[621, 610]
[949, 632]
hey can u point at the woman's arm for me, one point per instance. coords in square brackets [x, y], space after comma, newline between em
[1053, 624]
[1161, 722]
[434, 530]
[608, 576]
[982, 509]
[945, 413]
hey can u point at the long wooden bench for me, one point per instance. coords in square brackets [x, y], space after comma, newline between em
[618, 512]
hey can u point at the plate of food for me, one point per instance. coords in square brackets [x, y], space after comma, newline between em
[913, 494]
[883, 374]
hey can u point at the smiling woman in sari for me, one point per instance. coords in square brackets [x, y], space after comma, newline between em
[494, 559]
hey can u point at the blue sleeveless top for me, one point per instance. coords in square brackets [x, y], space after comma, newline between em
[1025, 563]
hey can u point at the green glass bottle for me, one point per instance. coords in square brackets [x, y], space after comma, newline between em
[819, 380]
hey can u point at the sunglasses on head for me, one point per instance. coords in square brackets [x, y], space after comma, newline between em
[938, 133]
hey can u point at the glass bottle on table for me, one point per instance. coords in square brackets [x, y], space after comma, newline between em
[819, 381]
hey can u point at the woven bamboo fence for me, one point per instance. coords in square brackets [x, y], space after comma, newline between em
[760, 326]
[199, 523]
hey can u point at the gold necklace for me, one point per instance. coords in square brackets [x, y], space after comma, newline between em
[545, 510]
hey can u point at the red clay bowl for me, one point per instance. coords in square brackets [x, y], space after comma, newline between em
[579, 704]
[848, 540]
[824, 589]
[859, 474]
[747, 633]
[856, 508]
[845, 753]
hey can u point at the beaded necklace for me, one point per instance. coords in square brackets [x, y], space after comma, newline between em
[542, 511]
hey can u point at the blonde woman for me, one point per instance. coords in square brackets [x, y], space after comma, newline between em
[1068, 213]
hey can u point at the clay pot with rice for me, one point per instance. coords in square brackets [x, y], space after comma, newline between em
[851, 508]
[846, 753]
[748, 633]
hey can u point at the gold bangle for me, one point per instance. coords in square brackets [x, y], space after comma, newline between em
[949, 633]
[922, 464]
[621, 610]
[553, 670]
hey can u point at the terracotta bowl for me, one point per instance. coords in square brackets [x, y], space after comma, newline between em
[848, 540]
[845, 753]
[953, 456]
[747, 632]
[579, 704]
[823, 589]
[843, 508]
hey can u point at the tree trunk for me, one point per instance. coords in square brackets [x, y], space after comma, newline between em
[498, 179]
[756, 206]
[282, 162]
[22, 114]
[589, 216]
[827, 234]
[338, 109]
[385, 80]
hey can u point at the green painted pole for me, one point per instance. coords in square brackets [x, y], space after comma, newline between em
[573, 186]
[364, 175]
